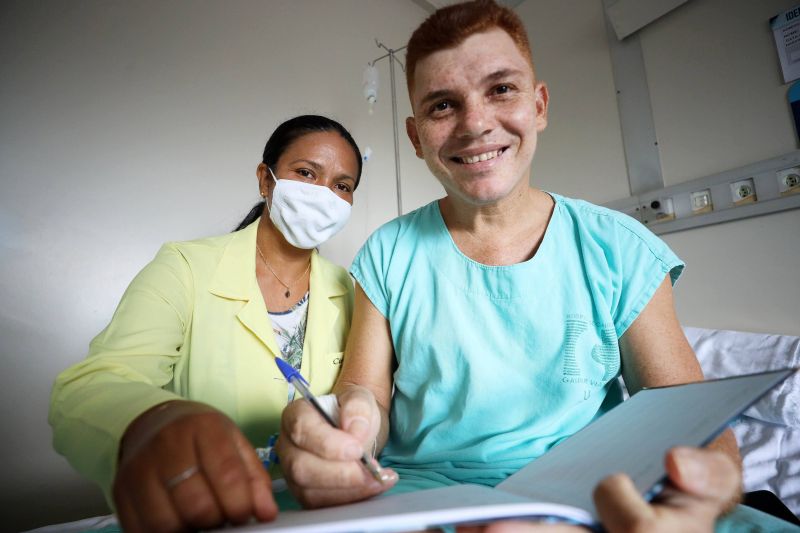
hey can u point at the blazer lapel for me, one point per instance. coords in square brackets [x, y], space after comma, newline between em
[235, 279]
[323, 313]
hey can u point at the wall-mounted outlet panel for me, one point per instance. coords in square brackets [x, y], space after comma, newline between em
[664, 209]
[764, 187]
[701, 202]
[743, 192]
[788, 180]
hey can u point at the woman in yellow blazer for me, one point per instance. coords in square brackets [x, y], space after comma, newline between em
[164, 412]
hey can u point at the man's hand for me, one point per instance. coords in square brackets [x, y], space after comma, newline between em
[321, 463]
[184, 465]
[704, 482]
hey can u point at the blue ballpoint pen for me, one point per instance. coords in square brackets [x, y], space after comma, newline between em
[294, 377]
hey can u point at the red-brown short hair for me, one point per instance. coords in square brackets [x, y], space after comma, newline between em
[450, 26]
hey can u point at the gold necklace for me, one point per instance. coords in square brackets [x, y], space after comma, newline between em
[288, 290]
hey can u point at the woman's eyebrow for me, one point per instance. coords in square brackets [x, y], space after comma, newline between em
[316, 166]
[309, 162]
[342, 177]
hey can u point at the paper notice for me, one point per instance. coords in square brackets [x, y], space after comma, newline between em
[786, 30]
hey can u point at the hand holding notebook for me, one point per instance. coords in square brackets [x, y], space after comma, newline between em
[631, 438]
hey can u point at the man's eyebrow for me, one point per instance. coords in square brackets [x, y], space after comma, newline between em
[502, 73]
[436, 95]
[497, 75]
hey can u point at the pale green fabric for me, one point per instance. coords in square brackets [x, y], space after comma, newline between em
[744, 519]
[497, 364]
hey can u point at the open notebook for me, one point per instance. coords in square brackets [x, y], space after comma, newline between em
[632, 438]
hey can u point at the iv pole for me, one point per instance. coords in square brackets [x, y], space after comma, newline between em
[390, 53]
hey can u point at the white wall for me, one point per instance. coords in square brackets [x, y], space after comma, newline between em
[719, 102]
[127, 124]
[123, 125]
[580, 154]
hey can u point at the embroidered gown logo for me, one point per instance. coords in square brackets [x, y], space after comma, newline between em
[604, 351]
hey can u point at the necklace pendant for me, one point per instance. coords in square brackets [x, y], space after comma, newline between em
[287, 293]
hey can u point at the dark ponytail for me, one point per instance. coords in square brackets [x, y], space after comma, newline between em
[252, 216]
[288, 132]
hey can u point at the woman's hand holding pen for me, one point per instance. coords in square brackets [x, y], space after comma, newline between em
[184, 465]
[320, 462]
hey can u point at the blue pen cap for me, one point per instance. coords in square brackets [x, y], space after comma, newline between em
[288, 371]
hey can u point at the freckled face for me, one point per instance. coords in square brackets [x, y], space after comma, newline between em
[320, 158]
[477, 112]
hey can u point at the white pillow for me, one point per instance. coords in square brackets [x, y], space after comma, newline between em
[729, 353]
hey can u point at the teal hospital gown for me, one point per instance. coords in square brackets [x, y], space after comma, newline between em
[497, 364]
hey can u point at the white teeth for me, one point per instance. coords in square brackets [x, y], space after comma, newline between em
[480, 157]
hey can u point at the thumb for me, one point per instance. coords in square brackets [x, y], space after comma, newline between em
[359, 414]
[705, 473]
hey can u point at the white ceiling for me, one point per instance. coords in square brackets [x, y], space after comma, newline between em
[629, 16]
[433, 5]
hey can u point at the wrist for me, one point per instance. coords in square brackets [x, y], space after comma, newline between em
[150, 422]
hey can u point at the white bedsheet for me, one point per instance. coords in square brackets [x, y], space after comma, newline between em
[769, 433]
[771, 459]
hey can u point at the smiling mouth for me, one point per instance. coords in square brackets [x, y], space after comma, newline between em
[486, 156]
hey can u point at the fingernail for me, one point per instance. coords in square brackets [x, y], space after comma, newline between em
[357, 426]
[388, 475]
[693, 472]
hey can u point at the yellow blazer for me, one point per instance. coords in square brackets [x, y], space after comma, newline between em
[193, 324]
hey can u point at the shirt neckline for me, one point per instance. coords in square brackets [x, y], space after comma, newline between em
[546, 238]
[293, 308]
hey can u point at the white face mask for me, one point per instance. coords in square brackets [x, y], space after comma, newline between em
[306, 215]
